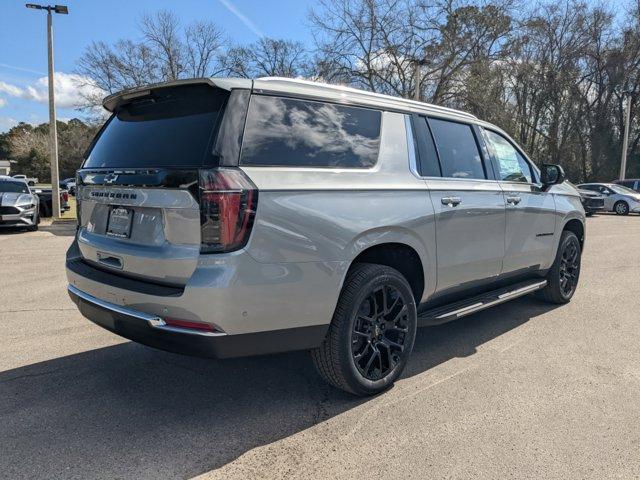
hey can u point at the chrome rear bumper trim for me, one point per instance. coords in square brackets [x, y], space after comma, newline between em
[153, 320]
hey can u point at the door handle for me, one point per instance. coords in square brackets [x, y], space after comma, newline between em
[513, 200]
[451, 201]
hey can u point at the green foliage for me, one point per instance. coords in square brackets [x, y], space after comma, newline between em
[28, 145]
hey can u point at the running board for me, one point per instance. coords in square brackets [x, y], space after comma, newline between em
[453, 311]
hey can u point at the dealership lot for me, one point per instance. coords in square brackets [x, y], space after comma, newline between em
[522, 390]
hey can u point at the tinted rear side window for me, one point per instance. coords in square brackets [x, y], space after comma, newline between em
[457, 148]
[291, 132]
[171, 127]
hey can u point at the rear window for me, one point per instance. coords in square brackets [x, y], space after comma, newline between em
[301, 133]
[171, 127]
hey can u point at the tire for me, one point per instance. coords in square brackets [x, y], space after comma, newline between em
[45, 210]
[621, 208]
[566, 266]
[369, 340]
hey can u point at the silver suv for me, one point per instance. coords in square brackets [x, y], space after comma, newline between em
[230, 217]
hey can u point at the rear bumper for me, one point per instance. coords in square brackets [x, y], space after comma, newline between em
[254, 308]
[151, 330]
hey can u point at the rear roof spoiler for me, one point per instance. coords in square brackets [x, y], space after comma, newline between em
[112, 102]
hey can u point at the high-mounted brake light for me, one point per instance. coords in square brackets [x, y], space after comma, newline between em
[228, 201]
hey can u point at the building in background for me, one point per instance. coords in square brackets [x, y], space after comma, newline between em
[5, 167]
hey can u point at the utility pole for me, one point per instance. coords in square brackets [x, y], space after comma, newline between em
[53, 131]
[625, 138]
[417, 78]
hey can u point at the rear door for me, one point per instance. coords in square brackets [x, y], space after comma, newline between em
[530, 227]
[468, 203]
[138, 194]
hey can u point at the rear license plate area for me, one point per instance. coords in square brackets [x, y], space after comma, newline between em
[120, 220]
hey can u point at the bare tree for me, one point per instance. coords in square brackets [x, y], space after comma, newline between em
[267, 57]
[161, 33]
[375, 44]
[204, 42]
[167, 51]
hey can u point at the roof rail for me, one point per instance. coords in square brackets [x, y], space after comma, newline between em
[365, 93]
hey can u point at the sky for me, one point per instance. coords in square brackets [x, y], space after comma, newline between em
[23, 45]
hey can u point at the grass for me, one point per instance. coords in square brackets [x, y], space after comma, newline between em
[71, 214]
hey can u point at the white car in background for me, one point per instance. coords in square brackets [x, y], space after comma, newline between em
[19, 207]
[29, 181]
[617, 198]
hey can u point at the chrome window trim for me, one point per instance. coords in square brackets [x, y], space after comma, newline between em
[411, 147]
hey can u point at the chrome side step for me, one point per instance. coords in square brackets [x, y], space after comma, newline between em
[453, 311]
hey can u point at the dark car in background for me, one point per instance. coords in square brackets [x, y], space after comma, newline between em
[46, 195]
[592, 202]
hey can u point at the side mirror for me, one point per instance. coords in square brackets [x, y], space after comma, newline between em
[551, 174]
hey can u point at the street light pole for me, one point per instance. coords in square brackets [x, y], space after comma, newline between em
[625, 138]
[53, 131]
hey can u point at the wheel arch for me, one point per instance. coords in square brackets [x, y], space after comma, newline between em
[399, 256]
[576, 226]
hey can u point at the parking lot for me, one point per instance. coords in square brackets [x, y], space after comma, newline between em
[523, 390]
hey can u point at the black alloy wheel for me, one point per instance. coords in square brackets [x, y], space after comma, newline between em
[569, 266]
[379, 332]
[562, 278]
[372, 332]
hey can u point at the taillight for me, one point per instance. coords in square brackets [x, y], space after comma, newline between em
[78, 202]
[228, 201]
[64, 196]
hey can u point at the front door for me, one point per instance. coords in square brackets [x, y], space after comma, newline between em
[530, 211]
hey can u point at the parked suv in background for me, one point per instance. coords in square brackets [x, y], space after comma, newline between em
[632, 183]
[617, 198]
[228, 217]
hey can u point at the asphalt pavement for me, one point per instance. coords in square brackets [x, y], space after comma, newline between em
[524, 390]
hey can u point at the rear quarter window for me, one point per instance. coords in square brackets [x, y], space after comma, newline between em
[302, 133]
